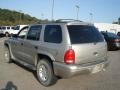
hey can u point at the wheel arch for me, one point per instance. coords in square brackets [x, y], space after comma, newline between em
[40, 56]
[7, 45]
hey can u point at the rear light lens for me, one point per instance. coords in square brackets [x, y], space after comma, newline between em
[117, 40]
[69, 57]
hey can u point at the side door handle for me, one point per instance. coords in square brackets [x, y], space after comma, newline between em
[95, 53]
[21, 44]
[36, 47]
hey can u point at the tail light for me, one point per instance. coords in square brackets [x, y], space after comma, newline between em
[69, 57]
[117, 40]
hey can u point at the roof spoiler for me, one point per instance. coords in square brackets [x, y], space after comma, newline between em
[67, 20]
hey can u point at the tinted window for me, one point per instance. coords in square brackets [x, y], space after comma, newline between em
[8, 27]
[118, 33]
[53, 34]
[112, 35]
[3, 28]
[17, 28]
[12, 27]
[104, 34]
[84, 34]
[34, 32]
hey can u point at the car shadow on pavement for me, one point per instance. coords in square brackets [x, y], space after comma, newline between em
[10, 86]
[1, 36]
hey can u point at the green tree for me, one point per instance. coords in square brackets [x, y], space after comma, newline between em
[9, 17]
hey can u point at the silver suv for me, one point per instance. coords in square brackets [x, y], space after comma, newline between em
[61, 48]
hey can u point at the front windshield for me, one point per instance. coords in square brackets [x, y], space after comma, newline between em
[17, 28]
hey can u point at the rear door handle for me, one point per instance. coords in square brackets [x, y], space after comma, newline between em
[36, 47]
[95, 53]
[22, 44]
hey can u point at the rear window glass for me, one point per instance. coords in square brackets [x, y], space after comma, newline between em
[84, 34]
[112, 35]
[109, 35]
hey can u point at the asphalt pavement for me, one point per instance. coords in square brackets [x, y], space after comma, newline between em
[16, 77]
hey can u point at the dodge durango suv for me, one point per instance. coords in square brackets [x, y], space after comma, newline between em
[62, 48]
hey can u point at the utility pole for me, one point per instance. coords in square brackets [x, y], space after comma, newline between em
[91, 17]
[20, 16]
[119, 20]
[77, 16]
[52, 17]
[42, 16]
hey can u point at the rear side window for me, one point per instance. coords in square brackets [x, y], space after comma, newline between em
[53, 34]
[84, 34]
[34, 32]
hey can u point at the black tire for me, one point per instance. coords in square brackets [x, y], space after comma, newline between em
[7, 55]
[113, 48]
[7, 34]
[45, 73]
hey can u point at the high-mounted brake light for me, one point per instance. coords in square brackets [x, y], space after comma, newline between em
[69, 57]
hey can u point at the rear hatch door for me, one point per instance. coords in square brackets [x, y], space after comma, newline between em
[88, 44]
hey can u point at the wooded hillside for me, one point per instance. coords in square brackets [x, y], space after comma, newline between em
[9, 17]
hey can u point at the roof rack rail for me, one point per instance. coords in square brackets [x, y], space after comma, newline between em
[67, 20]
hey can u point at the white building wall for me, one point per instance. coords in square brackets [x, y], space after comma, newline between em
[108, 27]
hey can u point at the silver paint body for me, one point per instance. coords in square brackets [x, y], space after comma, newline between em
[87, 56]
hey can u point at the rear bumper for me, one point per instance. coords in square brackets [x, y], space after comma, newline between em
[66, 71]
[117, 45]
